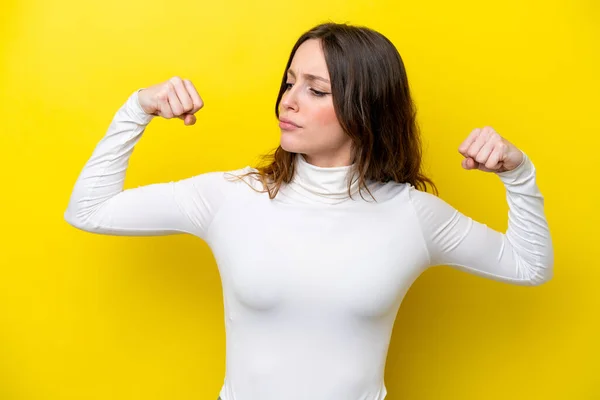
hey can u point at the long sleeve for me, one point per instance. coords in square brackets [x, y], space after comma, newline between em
[99, 204]
[523, 255]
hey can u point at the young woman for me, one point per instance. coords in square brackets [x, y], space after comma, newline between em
[317, 248]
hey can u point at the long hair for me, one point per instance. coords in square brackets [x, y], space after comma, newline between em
[372, 101]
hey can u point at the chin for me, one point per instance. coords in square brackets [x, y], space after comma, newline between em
[291, 144]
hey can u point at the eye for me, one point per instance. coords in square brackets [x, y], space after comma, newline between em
[318, 93]
[315, 92]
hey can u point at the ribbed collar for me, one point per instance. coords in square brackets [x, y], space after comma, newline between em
[321, 184]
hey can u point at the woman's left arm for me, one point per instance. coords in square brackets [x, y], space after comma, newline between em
[524, 254]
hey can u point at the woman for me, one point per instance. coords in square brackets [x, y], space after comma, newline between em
[317, 248]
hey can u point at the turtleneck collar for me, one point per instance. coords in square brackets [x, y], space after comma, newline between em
[321, 184]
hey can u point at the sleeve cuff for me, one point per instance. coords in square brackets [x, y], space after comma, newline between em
[520, 173]
[136, 111]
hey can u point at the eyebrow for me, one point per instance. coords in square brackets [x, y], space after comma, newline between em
[309, 77]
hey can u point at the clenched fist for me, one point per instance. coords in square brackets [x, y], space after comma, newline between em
[486, 150]
[174, 98]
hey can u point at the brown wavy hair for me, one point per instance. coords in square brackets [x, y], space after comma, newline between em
[372, 101]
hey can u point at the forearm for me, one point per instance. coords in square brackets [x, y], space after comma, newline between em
[528, 231]
[103, 176]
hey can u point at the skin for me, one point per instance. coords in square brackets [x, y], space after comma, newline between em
[485, 150]
[308, 103]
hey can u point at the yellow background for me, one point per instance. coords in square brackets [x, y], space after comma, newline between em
[84, 316]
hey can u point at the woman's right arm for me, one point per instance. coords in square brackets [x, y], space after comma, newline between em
[98, 202]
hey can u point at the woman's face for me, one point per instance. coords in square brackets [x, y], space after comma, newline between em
[307, 118]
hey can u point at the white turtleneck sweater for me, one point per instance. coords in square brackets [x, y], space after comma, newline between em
[312, 280]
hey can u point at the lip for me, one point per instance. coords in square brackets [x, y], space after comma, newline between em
[286, 124]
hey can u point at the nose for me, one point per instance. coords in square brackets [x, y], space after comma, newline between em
[289, 101]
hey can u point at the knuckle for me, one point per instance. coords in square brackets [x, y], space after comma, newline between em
[177, 109]
[187, 103]
[163, 97]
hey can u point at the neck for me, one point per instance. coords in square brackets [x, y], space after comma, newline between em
[316, 184]
[341, 160]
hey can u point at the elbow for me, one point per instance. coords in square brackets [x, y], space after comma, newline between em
[535, 266]
[542, 277]
[73, 220]
[76, 220]
[542, 272]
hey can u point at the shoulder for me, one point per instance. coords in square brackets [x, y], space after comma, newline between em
[385, 192]
[430, 209]
[247, 176]
[219, 181]
[421, 201]
[402, 192]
